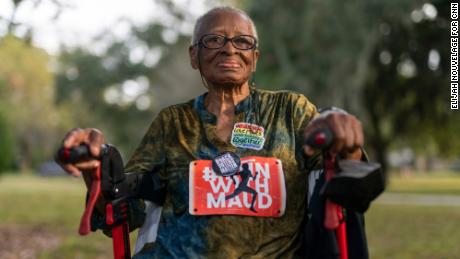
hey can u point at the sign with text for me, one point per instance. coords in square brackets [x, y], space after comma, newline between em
[257, 189]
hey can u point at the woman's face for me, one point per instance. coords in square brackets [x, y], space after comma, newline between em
[226, 66]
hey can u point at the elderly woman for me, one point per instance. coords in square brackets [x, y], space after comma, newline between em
[232, 211]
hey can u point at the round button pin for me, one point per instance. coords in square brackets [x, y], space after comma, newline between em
[226, 163]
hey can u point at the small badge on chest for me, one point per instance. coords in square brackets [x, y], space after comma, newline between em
[226, 163]
[247, 135]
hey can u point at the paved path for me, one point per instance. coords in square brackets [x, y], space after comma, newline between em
[419, 199]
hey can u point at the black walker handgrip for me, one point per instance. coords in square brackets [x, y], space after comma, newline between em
[74, 154]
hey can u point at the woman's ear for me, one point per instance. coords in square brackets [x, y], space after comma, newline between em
[255, 55]
[193, 53]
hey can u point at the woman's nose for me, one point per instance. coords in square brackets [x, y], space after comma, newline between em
[228, 47]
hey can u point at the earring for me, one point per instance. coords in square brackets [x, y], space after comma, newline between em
[253, 79]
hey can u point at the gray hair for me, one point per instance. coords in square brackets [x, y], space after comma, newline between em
[201, 19]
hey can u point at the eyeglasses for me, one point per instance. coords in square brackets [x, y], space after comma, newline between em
[213, 41]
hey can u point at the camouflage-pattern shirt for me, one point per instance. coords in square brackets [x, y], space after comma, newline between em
[186, 132]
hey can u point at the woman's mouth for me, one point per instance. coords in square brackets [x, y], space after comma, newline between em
[228, 64]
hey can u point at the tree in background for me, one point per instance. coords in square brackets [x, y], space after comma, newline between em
[27, 102]
[119, 88]
[6, 138]
[29, 119]
[407, 94]
[356, 54]
[330, 51]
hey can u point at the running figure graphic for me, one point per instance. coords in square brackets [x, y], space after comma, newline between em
[243, 186]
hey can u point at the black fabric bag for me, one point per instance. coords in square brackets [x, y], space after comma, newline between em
[356, 184]
[321, 243]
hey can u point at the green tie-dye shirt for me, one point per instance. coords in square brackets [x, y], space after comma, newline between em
[186, 132]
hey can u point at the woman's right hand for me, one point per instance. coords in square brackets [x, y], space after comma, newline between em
[89, 136]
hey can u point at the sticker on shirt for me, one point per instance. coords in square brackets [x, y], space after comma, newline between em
[257, 189]
[247, 135]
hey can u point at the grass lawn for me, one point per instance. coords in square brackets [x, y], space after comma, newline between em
[418, 232]
[40, 216]
[428, 183]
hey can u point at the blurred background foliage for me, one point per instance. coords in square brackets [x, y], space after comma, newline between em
[385, 61]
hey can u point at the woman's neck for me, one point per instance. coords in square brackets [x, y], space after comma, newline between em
[222, 100]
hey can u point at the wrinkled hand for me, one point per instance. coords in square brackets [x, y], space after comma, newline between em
[347, 131]
[89, 136]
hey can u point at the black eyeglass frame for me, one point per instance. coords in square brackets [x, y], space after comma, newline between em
[226, 39]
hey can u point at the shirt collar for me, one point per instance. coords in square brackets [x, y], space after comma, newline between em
[208, 117]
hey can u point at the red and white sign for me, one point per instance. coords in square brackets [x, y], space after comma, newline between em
[258, 189]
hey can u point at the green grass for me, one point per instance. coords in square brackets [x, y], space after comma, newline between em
[428, 183]
[56, 204]
[413, 232]
[34, 200]
[393, 231]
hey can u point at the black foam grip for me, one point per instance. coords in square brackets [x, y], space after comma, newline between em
[74, 155]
